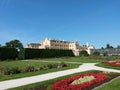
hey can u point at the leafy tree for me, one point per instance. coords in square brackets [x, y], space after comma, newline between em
[108, 46]
[84, 53]
[14, 44]
[96, 53]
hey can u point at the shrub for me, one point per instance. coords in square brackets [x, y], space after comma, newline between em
[29, 68]
[63, 64]
[50, 66]
[84, 53]
[21, 54]
[45, 67]
[55, 65]
[8, 53]
[1, 70]
[41, 68]
[95, 57]
[7, 71]
[15, 70]
[59, 65]
[96, 53]
[28, 53]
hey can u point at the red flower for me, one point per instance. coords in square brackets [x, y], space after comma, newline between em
[112, 63]
[65, 84]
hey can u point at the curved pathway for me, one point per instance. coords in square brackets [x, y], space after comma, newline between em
[39, 78]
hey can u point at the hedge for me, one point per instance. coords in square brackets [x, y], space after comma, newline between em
[84, 53]
[8, 53]
[28, 53]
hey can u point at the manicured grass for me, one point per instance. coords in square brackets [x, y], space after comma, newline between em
[27, 74]
[107, 66]
[38, 63]
[73, 59]
[50, 82]
[22, 64]
[114, 85]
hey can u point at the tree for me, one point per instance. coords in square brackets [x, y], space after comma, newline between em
[14, 44]
[96, 53]
[108, 46]
[84, 53]
[102, 47]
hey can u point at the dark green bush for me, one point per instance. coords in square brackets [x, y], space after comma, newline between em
[50, 66]
[95, 57]
[41, 68]
[84, 53]
[8, 53]
[63, 64]
[13, 70]
[7, 71]
[96, 53]
[44, 53]
[29, 69]
[21, 54]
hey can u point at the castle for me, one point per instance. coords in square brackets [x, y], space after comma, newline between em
[61, 44]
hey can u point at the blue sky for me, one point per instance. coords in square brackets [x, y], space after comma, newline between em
[93, 21]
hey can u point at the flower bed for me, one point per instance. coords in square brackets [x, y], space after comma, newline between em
[66, 84]
[29, 68]
[115, 63]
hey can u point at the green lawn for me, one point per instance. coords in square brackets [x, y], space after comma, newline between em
[114, 85]
[22, 64]
[73, 59]
[27, 74]
[107, 66]
[37, 63]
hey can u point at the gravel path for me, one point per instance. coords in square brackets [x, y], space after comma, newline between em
[39, 78]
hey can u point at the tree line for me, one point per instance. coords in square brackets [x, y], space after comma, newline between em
[110, 46]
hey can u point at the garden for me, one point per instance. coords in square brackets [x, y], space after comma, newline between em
[22, 68]
[78, 81]
[19, 69]
[114, 64]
